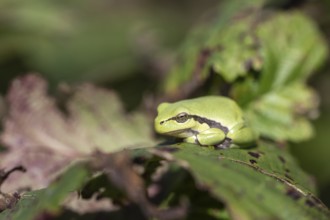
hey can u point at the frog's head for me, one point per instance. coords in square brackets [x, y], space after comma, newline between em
[173, 120]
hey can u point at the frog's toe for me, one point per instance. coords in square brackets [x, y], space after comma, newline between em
[225, 144]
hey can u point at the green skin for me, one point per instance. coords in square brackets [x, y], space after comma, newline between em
[209, 120]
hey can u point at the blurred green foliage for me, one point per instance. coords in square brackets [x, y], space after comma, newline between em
[130, 46]
[99, 40]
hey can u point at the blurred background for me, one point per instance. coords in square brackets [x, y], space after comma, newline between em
[129, 46]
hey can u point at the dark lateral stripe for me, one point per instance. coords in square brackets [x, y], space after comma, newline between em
[211, 123]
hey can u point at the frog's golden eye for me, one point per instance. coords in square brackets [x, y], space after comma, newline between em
[182, 117]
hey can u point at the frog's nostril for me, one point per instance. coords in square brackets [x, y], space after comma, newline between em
[162, 122]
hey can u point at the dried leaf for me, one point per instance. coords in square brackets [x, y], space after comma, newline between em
[45, 140]
[2, 107]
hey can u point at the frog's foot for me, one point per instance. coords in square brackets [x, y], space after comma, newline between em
[192, 139]
[210, 136]
[225, 144]
[242, 136]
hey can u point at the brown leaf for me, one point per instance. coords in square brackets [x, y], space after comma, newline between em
[2, 107]
[45, 140]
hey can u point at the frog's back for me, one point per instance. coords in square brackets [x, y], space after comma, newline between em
[217, 108]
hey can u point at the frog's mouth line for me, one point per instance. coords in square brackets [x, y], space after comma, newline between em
[184, 130]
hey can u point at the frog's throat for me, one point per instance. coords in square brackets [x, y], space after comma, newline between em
[209, 122]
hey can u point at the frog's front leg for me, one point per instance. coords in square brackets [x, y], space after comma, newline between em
[210, 136]
[242, 135]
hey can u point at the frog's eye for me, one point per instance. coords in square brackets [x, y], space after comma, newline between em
[182, 117]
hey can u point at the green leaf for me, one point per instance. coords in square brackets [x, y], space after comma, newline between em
[238, 50]
[283, 114]
[261, 183]
[290, 54]
[35, 203]
[226, 46]
[290, 50]
[278, 103]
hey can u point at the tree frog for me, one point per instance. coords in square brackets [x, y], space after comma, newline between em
[209, 120]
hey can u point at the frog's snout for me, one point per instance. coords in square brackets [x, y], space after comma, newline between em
[158, 124]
